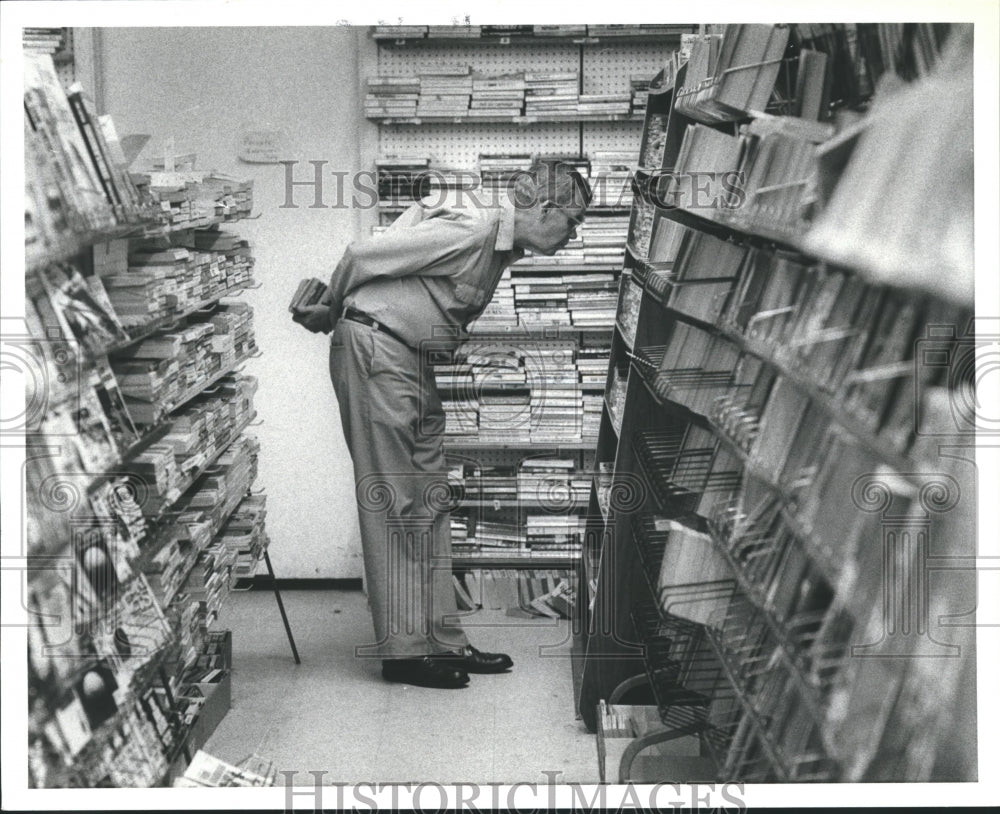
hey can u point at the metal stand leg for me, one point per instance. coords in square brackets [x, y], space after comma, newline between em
[281, 607]
[623, 687]
[175, 715]
[704, 768]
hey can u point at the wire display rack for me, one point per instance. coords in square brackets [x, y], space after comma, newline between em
[781, 724]
[692, 694]
[681, 468]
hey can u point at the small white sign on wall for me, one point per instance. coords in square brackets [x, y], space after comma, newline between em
[262, 144]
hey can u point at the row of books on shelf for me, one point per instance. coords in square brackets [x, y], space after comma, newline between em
[509, 393]
[456, 91]
[217, 524]
[122, 609]
[538, 592]
[761, 181]
[764, 425]
[507, 419]
[926, 128]
[800, 182]
[526, 32]
[525, 297]
[803, 318]
[773, 507]
[76, 174]
[156, 279]
[556, 364]
[107, 735]
[107, 561]
[76, 318]
[552, 483]
[906, 50]
[541, 535]
[192, 199]
[192, 567]
[861, 56]
[159, 374]
[78, 183]
[77, 442]
[46, 40]
[194, 438]
[732, 73]
[751, 580]
[801, 69]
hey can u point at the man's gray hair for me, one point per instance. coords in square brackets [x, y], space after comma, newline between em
[552, 182]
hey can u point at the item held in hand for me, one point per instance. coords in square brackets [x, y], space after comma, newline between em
[309, 292]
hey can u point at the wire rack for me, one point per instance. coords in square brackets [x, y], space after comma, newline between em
[692, 694]
[690, 387]
[678, 475]
[682, 474]
[780, 725]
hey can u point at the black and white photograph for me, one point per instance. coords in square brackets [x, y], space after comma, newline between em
[497, 412]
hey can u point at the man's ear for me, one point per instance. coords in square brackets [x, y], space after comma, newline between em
[525, 192]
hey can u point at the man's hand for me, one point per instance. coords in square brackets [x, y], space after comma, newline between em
[314, 318]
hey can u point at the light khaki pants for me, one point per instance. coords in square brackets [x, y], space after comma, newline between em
[394, 425]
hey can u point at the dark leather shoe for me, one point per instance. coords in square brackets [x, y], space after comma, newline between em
[473, 661]
[425, 672]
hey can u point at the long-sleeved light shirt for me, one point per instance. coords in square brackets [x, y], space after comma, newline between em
[432, 272]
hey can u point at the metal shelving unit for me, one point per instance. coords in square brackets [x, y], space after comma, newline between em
[817, 564]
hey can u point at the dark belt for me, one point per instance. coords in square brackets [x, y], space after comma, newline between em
[364, 319]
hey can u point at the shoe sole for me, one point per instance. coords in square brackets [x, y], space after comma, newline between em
[489, 672]
[427, 686]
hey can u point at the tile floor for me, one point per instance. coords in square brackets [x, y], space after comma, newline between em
[334, 713]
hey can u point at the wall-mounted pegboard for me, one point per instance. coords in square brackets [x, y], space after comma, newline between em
[459, 145]
[611, 136]
[489, 60]
[604, 68]
[608, 68]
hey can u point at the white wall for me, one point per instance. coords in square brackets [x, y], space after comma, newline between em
[198, 86]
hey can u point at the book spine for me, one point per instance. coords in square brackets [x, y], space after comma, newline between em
[94, 149]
